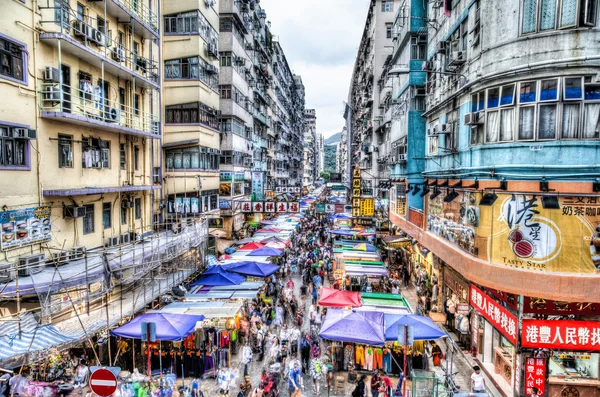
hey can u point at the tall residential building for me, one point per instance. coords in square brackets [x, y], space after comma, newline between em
[320, 155]
[369, 100]
[499, 193]
[191, 139]
[80, 165]
[262, 106]
[341, 154]
[310, 147]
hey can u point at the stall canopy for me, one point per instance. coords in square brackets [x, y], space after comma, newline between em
[254, 269]
[220, 277]
[340, 232]
[279, 246]
[353, 327]
[273, 239]
[364, 247]
[169, 326]
[336, 298]
[266, 251]
[251, 246]
[424, 327]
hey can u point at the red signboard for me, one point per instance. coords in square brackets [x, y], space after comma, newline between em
[103, 382]
[535, 375]
[560, 308]
[339, 208]
[561, 334]
[503, 320]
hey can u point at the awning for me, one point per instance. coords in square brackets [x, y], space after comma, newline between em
[337, 298]
[220, 277]
[266, 251]
[424, 327]
[353, 327]
[169, 326]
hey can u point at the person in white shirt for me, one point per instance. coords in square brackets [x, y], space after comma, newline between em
[477, 380]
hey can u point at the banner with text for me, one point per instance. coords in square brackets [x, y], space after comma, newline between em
[503, 320]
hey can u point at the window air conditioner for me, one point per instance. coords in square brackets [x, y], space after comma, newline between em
[58, 259]
[127, 204]
[112, 241]
[211, 69]
[52, 94]
[458, 58]
[112, 115]
[118, 54]
[51, 75]
[401, 157]
[77, 253]
[32, 264]
[81, 29]
[442, 46]
[73, 212]
[126, 237]
[7, 272]
[98, 37]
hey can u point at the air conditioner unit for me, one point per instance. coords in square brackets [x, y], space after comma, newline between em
[7, 272]
[52, 94]
[20, 133]
[458, 58]
[240, 61]
[58, 259]
[112, 241]
[118, 54]
[393, 159]
[211, 50]
[73, 212]
[98, 37]
[141, 63]
[209, 3]
[81, 29]
[212, 69]
[51, 75]
[126, 237]
[32, 264]
[112, 115]
[127, 204]
[469, 118]
[444, 128]
[77, 253]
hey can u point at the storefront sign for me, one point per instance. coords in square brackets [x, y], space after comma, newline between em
[559, 308]
[367, 207]
[258, 185]
[401, 206]
[339, 208]
[535, 375]
[330, 208]
[25, 227]
[456, 283]
[320, 208]
[269, 206]
[225, 176]
[364, 221]
[561, 334]
[498, 316]
[335, 177]
[509, 299]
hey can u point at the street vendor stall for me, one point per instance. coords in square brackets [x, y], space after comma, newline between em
[338, 298]
[386, 303]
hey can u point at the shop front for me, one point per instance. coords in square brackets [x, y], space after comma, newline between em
[455, 292]
[494, 339]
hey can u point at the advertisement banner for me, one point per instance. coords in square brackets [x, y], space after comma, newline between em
[258, 185]
[224, 204]
[330, 208]
[25, 227]
[535, 375]
[561, 334]
[503, 320]
[339, 208]
[225, 176]
[517, 231]
[216, 223]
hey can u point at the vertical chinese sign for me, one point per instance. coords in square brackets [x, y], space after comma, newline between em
[258, 191]
[535, 375]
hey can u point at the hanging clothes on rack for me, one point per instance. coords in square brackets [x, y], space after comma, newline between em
[348, 356]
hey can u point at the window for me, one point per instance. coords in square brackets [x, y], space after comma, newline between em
[80, 12]
[225, 91]
[236, 127]
[226, 59]
[61, 13]
[106, 215]
[101, 25]
[388, 30]
[191, 22]
[387, 6]
[432, 140]
[136, 158]
[199, 158]
[136, 104]
[545, 15]
[191, 113]
[95, 153]
[193, 68]
[123, 216]
[138, 208]
[122, 157]
[12, 60]
[88, 219]
[14, 148]
[122, 98]
[65, 151]
[417, 49]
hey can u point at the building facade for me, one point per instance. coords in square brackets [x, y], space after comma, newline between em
[498, 185]
[81, 165]
[320, 155]
[310, 147]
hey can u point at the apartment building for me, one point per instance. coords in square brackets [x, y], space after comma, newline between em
[310, 147]
[80, 165]
[500, 185]
[369, 100]
[320, 154]
[191, 139]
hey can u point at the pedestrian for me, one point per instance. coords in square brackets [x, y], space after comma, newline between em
[436, 353]
[314, 295]
[295, 381]
[535, 392]
[305, 352]
[375, 383]
[361, 388]
[316, 371]
[477, 380]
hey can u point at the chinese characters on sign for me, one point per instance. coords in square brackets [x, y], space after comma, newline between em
[258, 183]
[560, 308]
[367, 207]
[561, 334]
[498, 316]
[259, 206]
[535, 375]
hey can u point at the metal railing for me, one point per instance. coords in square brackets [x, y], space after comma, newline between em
[142, 11]
[91, 103]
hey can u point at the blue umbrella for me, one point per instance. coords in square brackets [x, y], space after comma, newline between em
[169, 326]
[220, 277]
[254, 269]
[424, 328]
[266, 251]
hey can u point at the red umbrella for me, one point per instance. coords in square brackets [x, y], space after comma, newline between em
[251, 246]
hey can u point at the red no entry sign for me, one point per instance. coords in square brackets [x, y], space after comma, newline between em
[103, 382]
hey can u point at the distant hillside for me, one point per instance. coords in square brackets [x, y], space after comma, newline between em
[335, 138]
[330, 159]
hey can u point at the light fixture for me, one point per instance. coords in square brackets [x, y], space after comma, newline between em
[550, 202]
[416, 189]
[436, 192]
[450, 196]
[425, 191]
[488, 199]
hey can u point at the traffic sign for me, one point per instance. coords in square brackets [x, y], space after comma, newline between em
[103, 382]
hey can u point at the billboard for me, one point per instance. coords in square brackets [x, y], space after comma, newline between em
[25, 227]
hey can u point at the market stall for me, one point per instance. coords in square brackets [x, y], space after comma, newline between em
[386, 303]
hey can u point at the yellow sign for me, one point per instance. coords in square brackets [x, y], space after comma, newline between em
[355, 212]
[367, 207]
[356, 202]
[356, 173]
[401, 206]
[355, 192]
[356, 183]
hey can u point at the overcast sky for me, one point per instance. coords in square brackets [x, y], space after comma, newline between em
[320, 39]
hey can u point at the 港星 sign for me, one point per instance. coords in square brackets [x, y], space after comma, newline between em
[561, 334]
[503, 320]
[535, 375]
[25, 227]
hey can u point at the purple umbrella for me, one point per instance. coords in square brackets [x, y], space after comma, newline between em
[169, 326]
[354, 327]
[266, 251]
[219, 277]
[254, 269]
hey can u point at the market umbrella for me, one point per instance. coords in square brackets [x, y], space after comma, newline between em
[273, 239]
[364, 247]
[251, 246]
[337, 298]
[254, 269]
[353, 327]
[230, 250]
[267, 222]
[169, 326]
[279, 246]
[424, 328]
[212, 260]
[224, 257]
[219, 277]
[266, 251]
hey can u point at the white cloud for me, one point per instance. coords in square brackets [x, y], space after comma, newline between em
[320, 39]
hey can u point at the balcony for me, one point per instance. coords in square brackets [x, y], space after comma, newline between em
[144, 20]
[258, 115]
[92, 46]
[72, 105]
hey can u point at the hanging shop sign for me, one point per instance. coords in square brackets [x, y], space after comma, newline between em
[363, 221]
[320, 208]
[367, 207]
[260, 206]
[561, 334]
[258, 185]
[559, 308]
[535, 375]
[24, 227]
[287, 189]
[330, 208]
[225, 176]
[503, 320]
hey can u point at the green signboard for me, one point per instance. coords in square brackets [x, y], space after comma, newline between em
[338, 187]
[320, 208]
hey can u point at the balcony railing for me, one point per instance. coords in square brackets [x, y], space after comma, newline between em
[261, 117]
[89, 105]
[138, 10]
